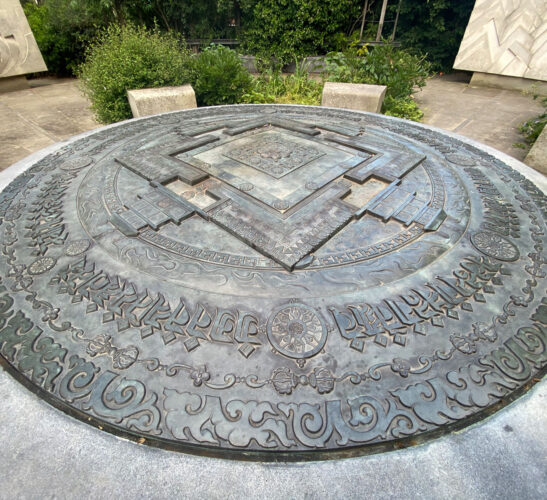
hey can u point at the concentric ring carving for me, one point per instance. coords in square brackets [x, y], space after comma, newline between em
[158, 280]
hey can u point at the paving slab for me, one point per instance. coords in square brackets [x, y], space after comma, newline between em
[51, 110]
[487, 115]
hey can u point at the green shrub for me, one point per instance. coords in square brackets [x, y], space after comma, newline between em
[220, 77]
[131, 57]
[385, 65]
[402, 107]
[273, 87]
[434, 27]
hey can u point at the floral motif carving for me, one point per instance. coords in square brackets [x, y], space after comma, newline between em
[42, 265]
[296, 331]
[495, 246]
[77, 247]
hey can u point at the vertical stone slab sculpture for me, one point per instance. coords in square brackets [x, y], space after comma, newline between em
[506, 38]
[19, 53]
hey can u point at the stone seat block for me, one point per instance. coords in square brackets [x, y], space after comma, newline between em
[358, 96]
[145, 102]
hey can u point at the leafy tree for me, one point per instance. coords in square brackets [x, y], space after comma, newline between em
[63, 29]
[434, 27]
[288, 29]
[198, 19]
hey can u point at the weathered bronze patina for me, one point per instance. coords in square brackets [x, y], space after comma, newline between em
[278, 281]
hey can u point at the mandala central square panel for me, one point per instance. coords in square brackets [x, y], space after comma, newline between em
[277, 168]
[275, 154]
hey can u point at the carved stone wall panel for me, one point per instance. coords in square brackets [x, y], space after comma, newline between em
[19, 53]
[274, 282]
[506, 37]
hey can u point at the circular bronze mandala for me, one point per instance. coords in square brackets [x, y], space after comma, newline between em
[278, 281]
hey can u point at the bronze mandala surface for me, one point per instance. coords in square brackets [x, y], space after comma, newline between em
[273, 282]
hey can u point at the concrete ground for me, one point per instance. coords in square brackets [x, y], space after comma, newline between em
[54, 109]
[487, 115]
[51, 110]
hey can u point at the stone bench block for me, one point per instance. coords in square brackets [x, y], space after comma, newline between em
[358, 96]
[145, 102]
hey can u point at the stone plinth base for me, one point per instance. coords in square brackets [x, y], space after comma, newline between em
[357, 96]
[145, 102]
[508, 83]
[537, 157]
[12, 83]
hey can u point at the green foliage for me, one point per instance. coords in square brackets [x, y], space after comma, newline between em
[402, 107]
[386, 65]
[273, 87]
[271, 29]
[130, 57]
[199, 19]
[433, 27]
[36, 17]
[289, 29]
[531, 129]
[63, 28]
[221, 78]
[397, 69]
